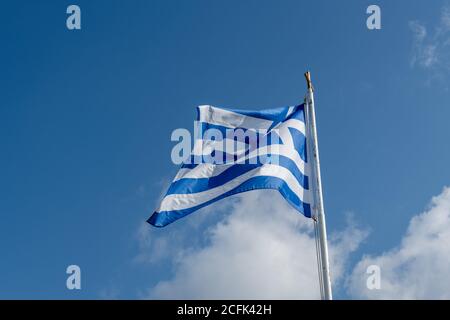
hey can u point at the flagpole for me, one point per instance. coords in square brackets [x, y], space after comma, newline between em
[324, 272]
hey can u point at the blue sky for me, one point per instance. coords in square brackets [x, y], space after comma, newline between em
[86, 118]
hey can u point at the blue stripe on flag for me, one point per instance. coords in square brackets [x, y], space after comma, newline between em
[163, 218]
[299, 142]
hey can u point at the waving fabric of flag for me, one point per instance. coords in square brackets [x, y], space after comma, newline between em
[237, 151]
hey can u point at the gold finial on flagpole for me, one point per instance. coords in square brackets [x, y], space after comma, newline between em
[308, 80]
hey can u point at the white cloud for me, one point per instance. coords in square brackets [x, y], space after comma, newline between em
[262, 249]
[445, 20]
[425, 53]
[431, 48]
[419, 267]
[110, 293]
[419, 31]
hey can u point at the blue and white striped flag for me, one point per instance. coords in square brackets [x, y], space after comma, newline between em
[237, 151]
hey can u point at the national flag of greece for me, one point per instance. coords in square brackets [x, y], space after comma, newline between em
[237, 151]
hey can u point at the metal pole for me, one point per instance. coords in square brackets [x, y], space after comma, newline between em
[325, 272]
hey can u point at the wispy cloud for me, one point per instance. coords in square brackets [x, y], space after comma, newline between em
[418, 267]
[110, 293]
[431, 44]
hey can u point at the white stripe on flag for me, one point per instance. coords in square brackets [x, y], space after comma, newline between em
[203, 170]
[231, 119]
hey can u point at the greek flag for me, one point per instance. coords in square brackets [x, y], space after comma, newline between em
[237, 151]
